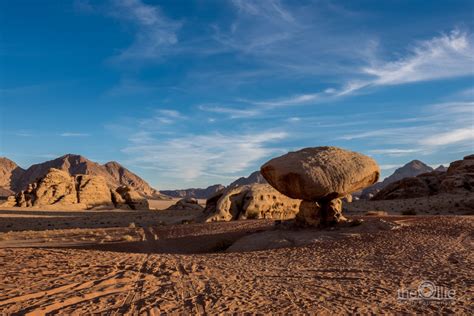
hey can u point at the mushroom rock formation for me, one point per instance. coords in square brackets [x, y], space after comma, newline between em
[250, 202]
[320, 176]
[186, 204]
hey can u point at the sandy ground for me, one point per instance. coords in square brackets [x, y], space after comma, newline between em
[119, 262]
[441, 204]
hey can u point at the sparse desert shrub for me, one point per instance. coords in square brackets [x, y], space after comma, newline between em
[409, 212]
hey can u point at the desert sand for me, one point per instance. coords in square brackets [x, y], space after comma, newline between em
[132, 262]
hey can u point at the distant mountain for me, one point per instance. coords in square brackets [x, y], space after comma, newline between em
[114, 174]
[411, 169]
[206, 193]
[10, 173]
[441, 168]
[254, 177]
[194, 192]
[458, 179]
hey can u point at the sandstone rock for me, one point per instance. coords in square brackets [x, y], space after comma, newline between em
[320, 176]
[187, 204]
[9, 202]
[309, 214]
[132, 198]
[93, 191]
[57, 187]
[119, 201]
[114, 174]
[348, 198]
[250, 202]
[320, 173]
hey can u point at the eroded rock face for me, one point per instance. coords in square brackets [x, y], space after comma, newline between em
[93, 191]
[187, 204]
[250, 202]
[58, 188]
[134, 200]
[458, 179]
[319, 173]
[320, 176]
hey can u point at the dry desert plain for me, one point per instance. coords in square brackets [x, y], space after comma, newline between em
[153, 262]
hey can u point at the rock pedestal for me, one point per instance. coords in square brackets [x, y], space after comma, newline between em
[320, 176]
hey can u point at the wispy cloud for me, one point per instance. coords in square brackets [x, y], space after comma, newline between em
[154, 32]
[161, 117]
[393, 151]
[270, 9]
[232, 112]
[437, 126]
[445, 56]
[68, 134]
[450, 138]
[192, 156]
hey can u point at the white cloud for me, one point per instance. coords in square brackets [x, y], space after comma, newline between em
[154, 34]
[190, 157]
[270, 9]
[450, 137]
[393, 151]
[162, 117]
[232, 112]
[445, 56]
[68, 134]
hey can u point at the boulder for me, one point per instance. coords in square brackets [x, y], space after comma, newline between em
[132, 198]
[319, 173]
[93, 191]
[320, 176]
[250, 202]
[187, 204]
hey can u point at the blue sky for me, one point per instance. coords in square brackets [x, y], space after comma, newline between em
[192, 93]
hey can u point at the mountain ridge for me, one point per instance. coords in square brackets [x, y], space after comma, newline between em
[114, 173]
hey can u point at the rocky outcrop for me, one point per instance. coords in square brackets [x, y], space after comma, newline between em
[10, 173]
[114, 174]
[58, 188]
[250, 202]
[253, 178]
[187, 204]
[410, 169]
[320, 176]
[194, 193]
[458, 179]
[93, 191]
[134, 200]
